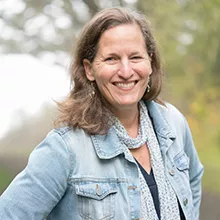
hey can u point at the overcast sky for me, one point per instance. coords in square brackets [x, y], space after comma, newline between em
[25, 84]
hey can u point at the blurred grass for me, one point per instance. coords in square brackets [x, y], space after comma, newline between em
[211, 162]
[5, 178]
[206, 133]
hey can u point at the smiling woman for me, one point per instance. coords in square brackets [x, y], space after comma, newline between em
[118, 153]
[113, 43]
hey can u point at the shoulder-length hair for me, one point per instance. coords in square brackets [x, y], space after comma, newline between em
[84, 109]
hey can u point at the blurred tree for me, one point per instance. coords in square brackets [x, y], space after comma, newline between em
[206, 46]
[188, 34]
[45, 28]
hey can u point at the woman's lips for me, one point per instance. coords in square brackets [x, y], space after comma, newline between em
[125, 85]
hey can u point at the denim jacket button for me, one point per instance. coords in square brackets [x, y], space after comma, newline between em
[132, 187]
[98, 190]
[172, 172]
[185, 202]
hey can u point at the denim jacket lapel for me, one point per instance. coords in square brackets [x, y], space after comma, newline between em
[107, 146]
[159, 116]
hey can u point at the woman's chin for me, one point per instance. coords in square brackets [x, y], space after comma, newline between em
[125, 104]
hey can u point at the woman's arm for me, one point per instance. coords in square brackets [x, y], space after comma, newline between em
[39, 187]
[195, 170]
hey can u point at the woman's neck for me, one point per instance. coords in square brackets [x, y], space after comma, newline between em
[129, 118]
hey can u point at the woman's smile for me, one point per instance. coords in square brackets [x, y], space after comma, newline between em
[125, 85]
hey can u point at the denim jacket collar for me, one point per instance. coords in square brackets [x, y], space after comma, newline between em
[158, 114]
[107, 146]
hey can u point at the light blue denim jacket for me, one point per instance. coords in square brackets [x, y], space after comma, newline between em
[74, 176]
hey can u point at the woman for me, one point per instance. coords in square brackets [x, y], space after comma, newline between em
[122, 154]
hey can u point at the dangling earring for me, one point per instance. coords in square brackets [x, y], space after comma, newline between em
[92, 90]
[148, 85]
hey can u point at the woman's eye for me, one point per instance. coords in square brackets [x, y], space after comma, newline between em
[111, 60]
[136, 58]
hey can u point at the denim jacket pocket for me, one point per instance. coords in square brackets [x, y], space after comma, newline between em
[96, 199]
[181, 161]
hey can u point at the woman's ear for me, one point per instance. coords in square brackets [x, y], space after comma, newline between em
[88, 69]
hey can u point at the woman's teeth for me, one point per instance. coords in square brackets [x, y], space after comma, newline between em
[125, 85]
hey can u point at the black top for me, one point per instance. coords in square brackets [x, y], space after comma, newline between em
[150, 180]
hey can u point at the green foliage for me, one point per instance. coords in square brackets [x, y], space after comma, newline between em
[5, 178]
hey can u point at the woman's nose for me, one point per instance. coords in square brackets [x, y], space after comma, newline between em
[125, 70]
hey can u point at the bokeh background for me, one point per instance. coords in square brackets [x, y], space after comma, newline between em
[36, 40]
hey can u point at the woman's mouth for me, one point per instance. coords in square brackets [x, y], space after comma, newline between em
[125, 85]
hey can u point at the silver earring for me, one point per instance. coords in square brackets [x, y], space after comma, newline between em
[148, 85]
[92, 90]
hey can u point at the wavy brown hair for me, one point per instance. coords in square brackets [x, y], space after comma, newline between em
[82, 108]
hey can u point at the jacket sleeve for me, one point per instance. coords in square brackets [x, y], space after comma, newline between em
[195, 170]
[39, 187]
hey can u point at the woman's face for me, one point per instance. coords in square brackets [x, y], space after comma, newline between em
[121, 66]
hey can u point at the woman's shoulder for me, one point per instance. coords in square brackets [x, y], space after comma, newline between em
[70, 137]
[166, 109]
[169, 109]
[67, 132]
[55, 140]
[168, 116]
[57, 135]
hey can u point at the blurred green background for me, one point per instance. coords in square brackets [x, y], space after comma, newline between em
[188, 34]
